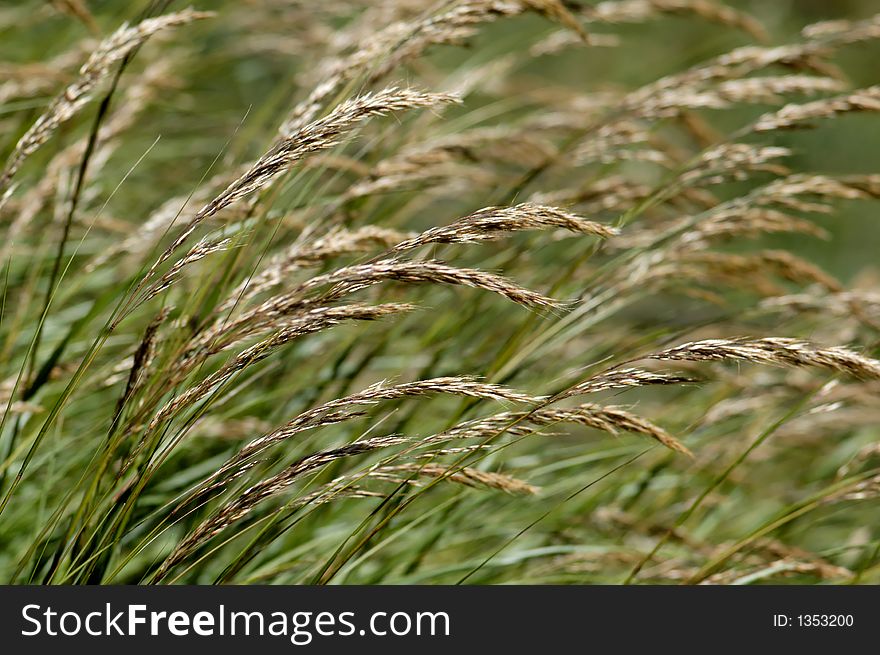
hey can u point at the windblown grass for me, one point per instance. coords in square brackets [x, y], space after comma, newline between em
[308, 293]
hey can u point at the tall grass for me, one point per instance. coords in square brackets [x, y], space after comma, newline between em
[394, 292]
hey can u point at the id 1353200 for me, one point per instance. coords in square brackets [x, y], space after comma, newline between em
[813, 620]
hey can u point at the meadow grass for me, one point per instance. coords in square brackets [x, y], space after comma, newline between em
[479, 291]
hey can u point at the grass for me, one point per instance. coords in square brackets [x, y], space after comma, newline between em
[459, 292]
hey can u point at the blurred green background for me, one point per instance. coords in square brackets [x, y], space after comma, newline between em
[237, 73]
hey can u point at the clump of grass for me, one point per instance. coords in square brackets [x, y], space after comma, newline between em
[376, 308]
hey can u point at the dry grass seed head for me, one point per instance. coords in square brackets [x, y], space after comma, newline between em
[777, 351]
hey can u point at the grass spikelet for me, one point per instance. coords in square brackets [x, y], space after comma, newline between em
[844, 31]
[630, 11]
[777, 351]
[467, 476]
[198, 252]
[491, 222]
[143, 358]
[350, 279]
[610, 419]
[794, 115]
[623, 378]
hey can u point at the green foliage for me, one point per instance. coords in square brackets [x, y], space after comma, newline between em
[277, 286]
